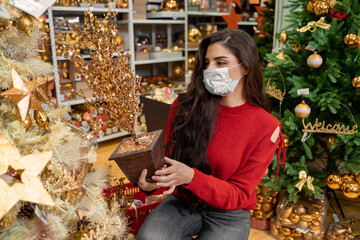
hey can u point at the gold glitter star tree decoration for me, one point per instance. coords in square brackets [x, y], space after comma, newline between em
[116, 88]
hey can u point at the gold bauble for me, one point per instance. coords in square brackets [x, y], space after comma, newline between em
[267, 207]
[287, 212]
[124, 3]
[281, 236]
[274, 231]
[270, 215]
[294, 218]
[283, 37]
[260, 199]
[315, 214]
[27, 122]
[257, 190]
[258, 207]
[41, 119]
[41, 23]
[194, 34]
[347, 177]
[289, 238]
[251, 213]
[25, 23]
[330, 141]
[310, 6]
[331, 3]
[178, 71]
[169, 5]
[356, 82]
[334, 181]
[351, 40]
[286, 140]
[300, 210]
[302, 110]
[315, 225]
[303, 224]
[269, 199]
[286, 231]
[357, 177]
[191, 61]
[259, 215]
[285, 222]
[314, 60]
[351, 189]
[321, 8]
[45, 58]
[296, 233]
[306, 217]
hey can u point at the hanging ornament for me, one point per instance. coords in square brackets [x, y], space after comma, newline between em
[330, 141]
[25, 23]
[27, 122]
[286, 140]
[41, 23]
[283, 37]
[194, 34]
[296, 47]
[351, 40]
[314, 60]
[169, 5]
[357, 177]
[232, 19]
[302, 110]
[41, 119]
[310, 7]
[351, 189]
[31, 188]
[331, 3]
[334, 181]
[321, 8]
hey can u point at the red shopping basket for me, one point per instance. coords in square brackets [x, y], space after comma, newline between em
[138, 216]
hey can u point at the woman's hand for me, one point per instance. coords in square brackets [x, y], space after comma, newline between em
[174, 175]
[145, 185]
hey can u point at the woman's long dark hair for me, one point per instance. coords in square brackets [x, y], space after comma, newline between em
[194, 123]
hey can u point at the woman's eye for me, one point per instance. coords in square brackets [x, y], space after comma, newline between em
[221, 63]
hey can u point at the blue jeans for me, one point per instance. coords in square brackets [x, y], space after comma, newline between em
[172, 220]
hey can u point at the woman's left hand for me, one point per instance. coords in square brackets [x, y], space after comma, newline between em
[174, 175]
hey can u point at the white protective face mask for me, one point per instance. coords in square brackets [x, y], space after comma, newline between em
[218, 82]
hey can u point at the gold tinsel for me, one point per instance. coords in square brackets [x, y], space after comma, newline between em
[116, 89]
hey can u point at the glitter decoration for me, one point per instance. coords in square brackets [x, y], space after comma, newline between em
[116, 88]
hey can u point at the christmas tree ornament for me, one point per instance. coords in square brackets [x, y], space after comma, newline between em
[305, 179]
[356, 82]
[169, 5]
[314, 60]
[286, 140]
[334, 181]
[41, 119]
[321, 8]
[351, 40]
[178, 71]
[194, 34]
[294, 218]
[331, 3]
[283, 37]
[286, 231]
[312, 26]
[351, 189]
[315, 225]
[25, 24]
[310, 6]
[31, 188]
[232, 19]
[302, 110]
[27, 122]
[330, 141]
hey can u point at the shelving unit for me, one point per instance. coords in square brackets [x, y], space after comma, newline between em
[158, 21]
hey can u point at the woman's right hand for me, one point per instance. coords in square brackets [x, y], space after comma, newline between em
[145, 185]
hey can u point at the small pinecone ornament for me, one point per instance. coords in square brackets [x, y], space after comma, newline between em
[26, 211]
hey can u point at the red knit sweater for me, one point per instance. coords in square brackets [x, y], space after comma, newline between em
[239, 154]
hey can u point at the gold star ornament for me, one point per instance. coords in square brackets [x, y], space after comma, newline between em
[27, 95]
[30, 188]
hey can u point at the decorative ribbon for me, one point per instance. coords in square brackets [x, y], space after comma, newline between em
[311, 26]
[305, 179]
[282, 150]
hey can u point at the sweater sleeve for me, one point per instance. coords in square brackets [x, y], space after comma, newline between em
[238, 190]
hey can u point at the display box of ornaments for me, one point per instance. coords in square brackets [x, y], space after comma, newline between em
[305, 219]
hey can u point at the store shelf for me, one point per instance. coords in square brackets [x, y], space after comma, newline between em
[207, 14]
[73, 102]
[161, 60]
[86, 56]
[248, 23]
[166, 14]
[158, 21]
[112, 136]
[193, 49]
[81, 10]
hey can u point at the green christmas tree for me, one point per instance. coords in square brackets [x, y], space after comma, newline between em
[329, 29]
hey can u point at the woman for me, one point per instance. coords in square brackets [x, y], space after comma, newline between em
[220, 141]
